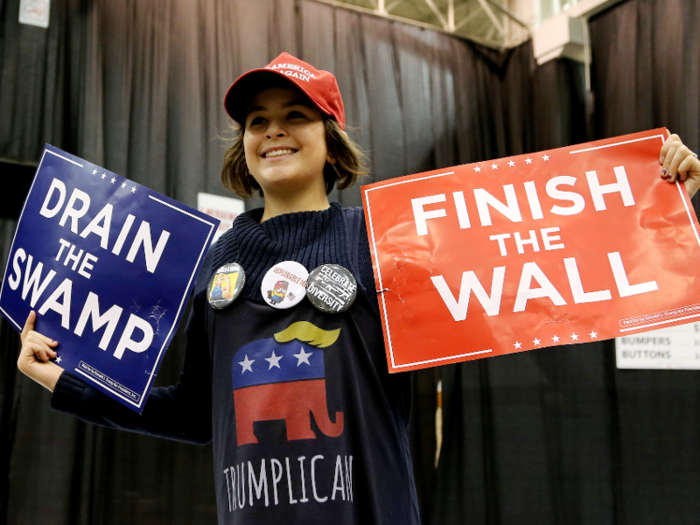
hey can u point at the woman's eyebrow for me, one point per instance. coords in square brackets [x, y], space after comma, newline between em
[299, 102]
[253, 109]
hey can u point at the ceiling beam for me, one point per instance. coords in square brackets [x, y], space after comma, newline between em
[448, 22]
[437, 12]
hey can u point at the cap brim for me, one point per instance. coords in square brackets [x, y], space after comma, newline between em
[242, 92]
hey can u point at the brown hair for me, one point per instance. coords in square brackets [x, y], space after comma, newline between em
[350, 165]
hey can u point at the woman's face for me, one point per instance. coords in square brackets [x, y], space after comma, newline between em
[226, 289]
[285, 142]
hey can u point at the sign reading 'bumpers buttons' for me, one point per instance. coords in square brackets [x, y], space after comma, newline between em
[331, 288]
[226, 285]
[284, 285]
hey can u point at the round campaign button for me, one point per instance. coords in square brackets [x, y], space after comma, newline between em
[284, 284]
[226, 285]
[331, 288]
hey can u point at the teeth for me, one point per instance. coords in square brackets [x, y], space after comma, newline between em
[278, 152]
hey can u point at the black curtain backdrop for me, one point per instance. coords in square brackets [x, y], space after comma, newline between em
[556, 436]
[647, 74]
[137, 86]
[560, 436]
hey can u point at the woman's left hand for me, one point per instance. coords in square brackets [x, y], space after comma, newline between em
[679, 163]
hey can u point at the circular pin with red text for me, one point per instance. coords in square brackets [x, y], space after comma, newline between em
[226, 285]
[331, 288]
[284, 285]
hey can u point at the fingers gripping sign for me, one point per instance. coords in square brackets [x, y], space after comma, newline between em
[35, 345]
[679, 163]
[34, 358]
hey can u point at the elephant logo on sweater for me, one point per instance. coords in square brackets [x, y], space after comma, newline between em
[283, 378]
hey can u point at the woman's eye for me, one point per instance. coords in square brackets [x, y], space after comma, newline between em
[256, 120]
[296, 114]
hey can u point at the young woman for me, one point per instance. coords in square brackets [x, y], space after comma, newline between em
[259, 368]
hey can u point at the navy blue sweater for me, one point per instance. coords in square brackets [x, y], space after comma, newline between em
[313, 429]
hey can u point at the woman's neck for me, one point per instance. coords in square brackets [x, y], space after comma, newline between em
[275, 206]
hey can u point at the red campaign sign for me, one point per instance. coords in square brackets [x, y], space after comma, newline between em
[564, 246]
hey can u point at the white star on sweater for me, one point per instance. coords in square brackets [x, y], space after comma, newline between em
[303, 357]
[274, 360]
[247, 364]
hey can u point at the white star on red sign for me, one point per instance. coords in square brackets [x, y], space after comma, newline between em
[528, 160]
[511, 163]
[247, 364]
[303, 357]
[574, 337]
[477, 169]
[494, 166]
[594, 335]
[274, 360]
[517, 344]
[536, 341]
[555, 338]
[545, 157]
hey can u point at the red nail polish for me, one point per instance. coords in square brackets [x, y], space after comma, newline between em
[664, 173]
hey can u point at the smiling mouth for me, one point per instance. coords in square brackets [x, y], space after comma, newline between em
[278, 153]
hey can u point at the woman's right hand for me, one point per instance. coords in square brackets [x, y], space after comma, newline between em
[34, 357]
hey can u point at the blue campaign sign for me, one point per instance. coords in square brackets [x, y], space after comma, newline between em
[108, 265]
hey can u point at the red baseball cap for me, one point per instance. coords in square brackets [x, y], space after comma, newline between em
[320, 86]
